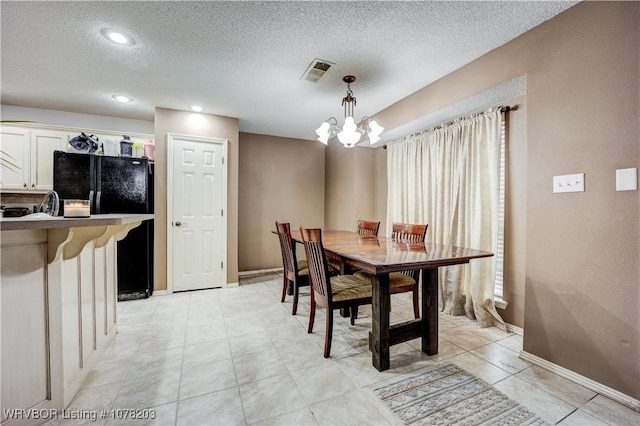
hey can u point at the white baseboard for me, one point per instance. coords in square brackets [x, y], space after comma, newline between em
[245, 274]
[167, 292]
[514, 329]
[584, 381]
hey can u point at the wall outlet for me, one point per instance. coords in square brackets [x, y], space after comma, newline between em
[568, 183]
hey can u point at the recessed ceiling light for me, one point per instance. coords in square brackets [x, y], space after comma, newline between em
[196, 108]
[122, 98]
[117, 37]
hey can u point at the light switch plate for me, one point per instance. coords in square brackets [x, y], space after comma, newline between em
[627, 179]
[568, 183]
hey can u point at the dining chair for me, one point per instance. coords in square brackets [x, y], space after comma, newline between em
[295, 272]
[330, 292]
[408, 233]
[403, 281]
[368, 228]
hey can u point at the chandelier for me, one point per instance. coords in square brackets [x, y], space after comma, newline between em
[350, 133]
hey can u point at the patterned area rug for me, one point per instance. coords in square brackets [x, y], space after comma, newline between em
[449, 395]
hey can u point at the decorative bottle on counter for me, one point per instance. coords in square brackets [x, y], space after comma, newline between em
[149, 149]
[126, 146]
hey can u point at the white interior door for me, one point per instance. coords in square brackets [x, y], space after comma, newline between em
[196, 212]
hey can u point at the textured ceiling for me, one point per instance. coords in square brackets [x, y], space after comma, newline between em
[245, 59]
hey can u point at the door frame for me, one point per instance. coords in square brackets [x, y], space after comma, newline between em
[170, 173]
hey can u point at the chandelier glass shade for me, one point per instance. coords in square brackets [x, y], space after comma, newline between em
[350, 133]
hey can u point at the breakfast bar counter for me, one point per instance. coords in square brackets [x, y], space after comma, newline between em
[54, 222]
[59, 291]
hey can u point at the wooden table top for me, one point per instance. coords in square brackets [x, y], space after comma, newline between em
[381, 255]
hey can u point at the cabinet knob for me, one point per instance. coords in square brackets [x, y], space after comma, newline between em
[33, 186]
[25, 186]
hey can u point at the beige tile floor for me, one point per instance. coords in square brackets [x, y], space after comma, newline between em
[237, 356]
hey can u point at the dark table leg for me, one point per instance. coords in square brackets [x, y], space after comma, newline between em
[380, 334]
[430, 311]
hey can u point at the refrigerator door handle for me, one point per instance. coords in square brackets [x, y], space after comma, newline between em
[98, 195]
[92, 207]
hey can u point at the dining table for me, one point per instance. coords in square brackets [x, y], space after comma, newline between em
[382, 255]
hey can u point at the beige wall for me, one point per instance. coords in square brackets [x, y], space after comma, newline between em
[340, 208]
[350, 178]
[280, 179]
[578, 253]
[582, 293]
[196, 124]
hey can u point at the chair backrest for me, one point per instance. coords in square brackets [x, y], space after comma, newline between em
[367, 228]
[289, 261]
[317, 264]
[407, 232]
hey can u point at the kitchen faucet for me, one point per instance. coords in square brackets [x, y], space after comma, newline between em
[49, 204]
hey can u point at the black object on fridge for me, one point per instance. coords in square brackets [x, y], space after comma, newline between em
[114, 185]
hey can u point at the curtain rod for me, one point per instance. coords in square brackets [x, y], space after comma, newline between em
[503, 109]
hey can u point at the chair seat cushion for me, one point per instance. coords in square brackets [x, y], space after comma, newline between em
[396, 279]
[303, 268]
[345, 287]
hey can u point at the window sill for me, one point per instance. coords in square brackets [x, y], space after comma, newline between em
[500, 302]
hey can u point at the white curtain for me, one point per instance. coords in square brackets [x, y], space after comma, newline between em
[449, 177]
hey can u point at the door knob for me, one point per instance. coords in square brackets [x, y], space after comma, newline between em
[179, 224]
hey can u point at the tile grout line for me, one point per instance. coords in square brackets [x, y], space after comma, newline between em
[184, 344]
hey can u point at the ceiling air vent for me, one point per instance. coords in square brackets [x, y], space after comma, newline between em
[316, 70]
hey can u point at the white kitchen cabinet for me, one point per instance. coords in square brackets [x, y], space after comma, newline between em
[31, 153]
[43, 143]
[15, 144]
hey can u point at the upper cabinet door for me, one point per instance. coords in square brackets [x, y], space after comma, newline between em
[14, 155]
[43, 143]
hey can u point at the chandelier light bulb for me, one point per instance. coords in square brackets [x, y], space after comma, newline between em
[349, 138]
[376, 129]
[324, 138]
[322, 130]
[349, 125]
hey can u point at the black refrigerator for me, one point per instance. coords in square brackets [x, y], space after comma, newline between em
[114, 185]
